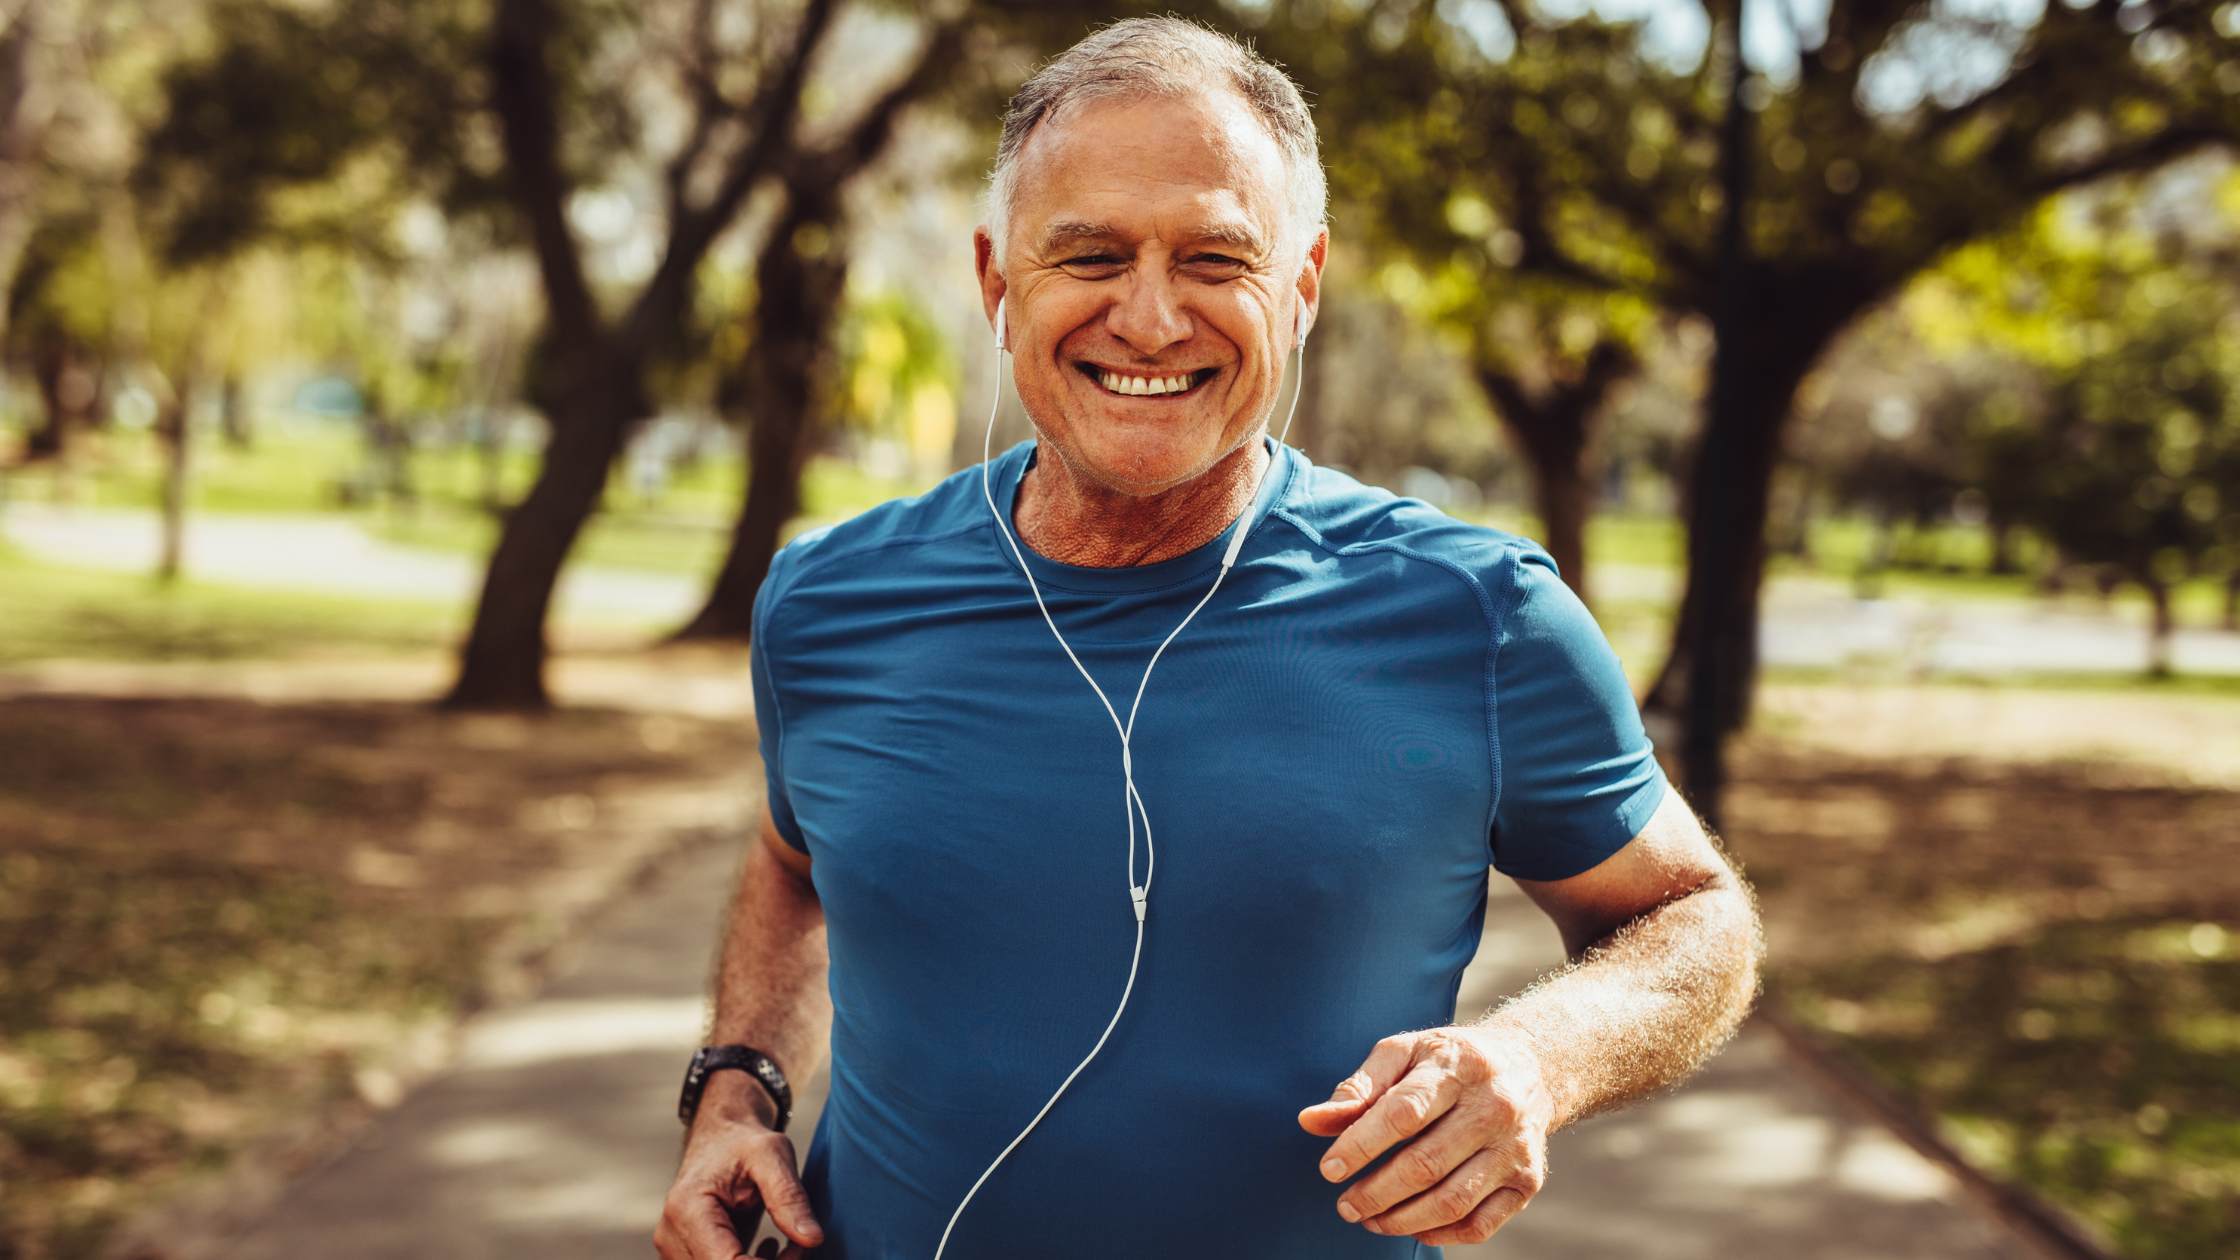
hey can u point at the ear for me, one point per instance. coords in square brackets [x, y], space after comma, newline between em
[992, 285]
[1310, 285]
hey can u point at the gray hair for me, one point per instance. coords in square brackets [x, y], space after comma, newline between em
[1164, 57]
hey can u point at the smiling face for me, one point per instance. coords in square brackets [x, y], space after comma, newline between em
[1151, 285]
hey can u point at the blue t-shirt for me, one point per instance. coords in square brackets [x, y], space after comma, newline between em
[1379, 702]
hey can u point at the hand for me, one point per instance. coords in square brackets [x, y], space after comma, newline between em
[1473, 1111]
[734, 1167]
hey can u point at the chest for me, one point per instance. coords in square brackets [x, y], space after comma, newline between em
[1291, 765]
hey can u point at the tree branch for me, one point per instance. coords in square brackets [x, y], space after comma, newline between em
[868, 138]
[525, 98]
[770, 117]
[708, 103]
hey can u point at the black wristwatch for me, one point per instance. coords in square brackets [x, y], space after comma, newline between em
[713, 1059]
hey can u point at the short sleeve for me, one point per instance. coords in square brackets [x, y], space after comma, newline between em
[769, 710]
[1578, 779]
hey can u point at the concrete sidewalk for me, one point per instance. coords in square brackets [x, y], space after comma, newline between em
[555, 1133]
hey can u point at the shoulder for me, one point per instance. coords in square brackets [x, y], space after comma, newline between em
[1347, 519]
[861, 546]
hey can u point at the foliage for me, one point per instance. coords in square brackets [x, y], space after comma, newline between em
[2131, 456]
[261, 141]
[897, 378]
[1779, 199]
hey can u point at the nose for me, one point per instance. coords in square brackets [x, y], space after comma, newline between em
[1149, 315]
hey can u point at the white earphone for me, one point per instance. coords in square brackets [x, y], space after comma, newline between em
[1139, 895]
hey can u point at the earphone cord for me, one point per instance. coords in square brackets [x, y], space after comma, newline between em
[1131, 800]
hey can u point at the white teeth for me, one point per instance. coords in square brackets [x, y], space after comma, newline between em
[1143, 385]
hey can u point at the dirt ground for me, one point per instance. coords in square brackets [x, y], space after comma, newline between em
[221, 918]
[224, 918]
[1932, 856]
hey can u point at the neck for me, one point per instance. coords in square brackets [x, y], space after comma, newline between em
[1074, 519]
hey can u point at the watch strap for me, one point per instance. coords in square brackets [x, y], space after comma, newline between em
[710, 1060]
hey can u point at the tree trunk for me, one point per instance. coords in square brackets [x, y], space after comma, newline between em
[1554, 431]
[2158, 637]
[1770, 327]
[781, 386]
[233, 413]
[602, 378]
[22, 127]
[1561, 497]
[600, 389]
[1733, 484]
[2003, 562]
[502, 665]
[172, 432]
[54, 364]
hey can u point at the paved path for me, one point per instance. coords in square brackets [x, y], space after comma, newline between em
[327, 554]
[554, 1135]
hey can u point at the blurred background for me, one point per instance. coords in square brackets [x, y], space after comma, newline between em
[1872, 369]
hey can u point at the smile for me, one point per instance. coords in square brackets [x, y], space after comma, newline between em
[1148, 386]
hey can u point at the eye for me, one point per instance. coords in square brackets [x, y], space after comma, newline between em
[1094, 266]
[1216, 267]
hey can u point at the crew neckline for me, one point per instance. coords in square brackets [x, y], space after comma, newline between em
[1011, 471]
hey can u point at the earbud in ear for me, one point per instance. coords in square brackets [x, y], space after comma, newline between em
[1003, 333]
[1299, 342]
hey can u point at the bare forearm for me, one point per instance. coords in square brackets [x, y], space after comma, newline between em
[770, 994]
[1645, 1005]
[770, 987]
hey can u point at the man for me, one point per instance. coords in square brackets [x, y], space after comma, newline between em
[1375, 703]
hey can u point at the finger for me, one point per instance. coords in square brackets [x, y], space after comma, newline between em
[697, 1225]
[1449, 1199]
[1386, 1063]
[1329, 1119]
[1437, 1154]
[782, 1195]
[1490, 1214]
[1401, 1112]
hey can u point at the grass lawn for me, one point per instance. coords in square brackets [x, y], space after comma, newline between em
[2046, 957]
[663, 537]
[48, 613]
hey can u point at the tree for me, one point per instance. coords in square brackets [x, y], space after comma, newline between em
[416, 85]
[1780, 202]
[782, 382]
[1545, 351]
[1547, 370]
[25, 106]
[2131, 459]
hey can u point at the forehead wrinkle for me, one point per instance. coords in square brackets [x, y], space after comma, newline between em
[1236, 235]
[1224, 126]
